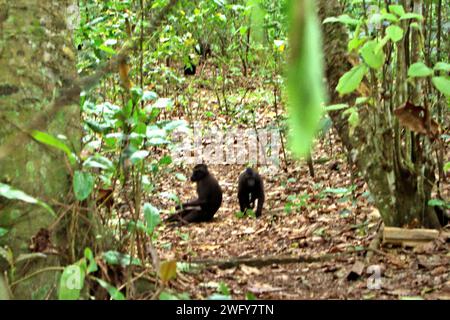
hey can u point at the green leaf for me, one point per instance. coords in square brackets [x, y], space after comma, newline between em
[345, 19]
[351, 79]
[168, 296]
[335, 107]
[71, 283]
[372, 54]
[223, 289]
[117, 258]
[442, 66]
[389, 17]
[138, 156]
[397, 9]
[3, 232]
[442, 84]
[447, 167]
[419, 69]
[113, 292]
[166, 160]
[411, 15]
[50, 140]
[250, 296]
[83, 184]
[306, 92]
[92, 263]
[152, 217]
[436, 203]
[107, 49]
[395, 33]
[13, 194]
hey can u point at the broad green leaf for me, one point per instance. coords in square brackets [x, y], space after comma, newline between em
[447, 167]
[83, 184]
[389, 17]
[395, 33]
[411, 15]
[152, 217]
[138, 156]
[397, 9]
[98, 162]
[419, 69]
[149, 95]
[166, 160]
[372, 54]
[442, 84]
[442, 66]
[13, 194]
[107, 49]
[345, 19]
[92, 267]
[436, 203]
[113, 292]
[71, 283]
[50, 140]
[306, 93]
[117, 258]
[351, 79]
[3, 232]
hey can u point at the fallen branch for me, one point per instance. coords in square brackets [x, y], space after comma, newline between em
[266, 261]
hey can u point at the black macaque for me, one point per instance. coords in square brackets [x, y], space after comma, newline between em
[189, 67]
[251, 189]
[208, 202]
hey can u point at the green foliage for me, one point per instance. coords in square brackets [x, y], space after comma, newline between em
[71, 282]
[53, 142]
[442, 84]
[8, 192]
[122, 259]
[351, 79]
[83, 184]
[152, 217]
[419, 69]
[305, 77]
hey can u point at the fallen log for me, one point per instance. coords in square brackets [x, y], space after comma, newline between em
[269, 260]
[411, 237]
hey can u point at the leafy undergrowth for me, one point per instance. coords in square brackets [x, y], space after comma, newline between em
[303, 216]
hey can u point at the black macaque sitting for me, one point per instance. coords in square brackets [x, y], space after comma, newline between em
[208, 202]
[251, 189]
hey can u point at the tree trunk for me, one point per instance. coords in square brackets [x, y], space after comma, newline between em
[37, 59]
[401, 191]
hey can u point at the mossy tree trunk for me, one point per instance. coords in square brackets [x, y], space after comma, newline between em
[37, 60]
[400, 183]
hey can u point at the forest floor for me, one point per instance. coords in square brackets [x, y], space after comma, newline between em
[333, 222]
[303, 217]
